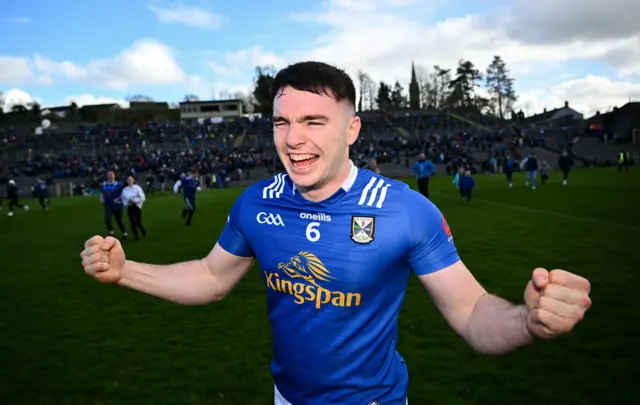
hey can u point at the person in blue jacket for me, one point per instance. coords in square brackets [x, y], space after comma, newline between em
[466, 183]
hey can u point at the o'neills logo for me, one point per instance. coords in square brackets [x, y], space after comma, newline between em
[321, 216]
[310, 270]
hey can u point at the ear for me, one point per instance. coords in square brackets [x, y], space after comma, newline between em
[354, 129]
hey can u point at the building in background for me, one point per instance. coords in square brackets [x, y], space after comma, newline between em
[192, 111]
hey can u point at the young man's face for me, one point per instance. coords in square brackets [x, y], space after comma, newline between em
[312, 134]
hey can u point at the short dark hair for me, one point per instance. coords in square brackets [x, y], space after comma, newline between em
[315, 77]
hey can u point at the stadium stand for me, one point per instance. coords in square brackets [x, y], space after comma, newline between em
[236, 150]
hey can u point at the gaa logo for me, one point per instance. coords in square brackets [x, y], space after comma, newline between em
[269, 219]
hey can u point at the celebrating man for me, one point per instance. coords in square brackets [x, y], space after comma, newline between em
[337, 246]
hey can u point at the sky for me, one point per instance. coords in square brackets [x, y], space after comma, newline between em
[586, 52]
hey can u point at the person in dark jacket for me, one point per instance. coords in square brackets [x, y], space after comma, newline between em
[566, 163]
[42, 193]
[14, 197]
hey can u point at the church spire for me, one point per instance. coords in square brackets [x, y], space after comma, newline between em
[414, 89]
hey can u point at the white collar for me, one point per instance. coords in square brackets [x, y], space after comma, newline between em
[348, 183]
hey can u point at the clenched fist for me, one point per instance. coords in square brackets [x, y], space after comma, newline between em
[557, 301]
[103, 259]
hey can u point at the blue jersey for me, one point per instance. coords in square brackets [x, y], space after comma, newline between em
[336, 273]
[42, 190]
[508, 165]
[112, 194]
[190, 185]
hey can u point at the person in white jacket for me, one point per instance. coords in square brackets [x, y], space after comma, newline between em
[133, 197]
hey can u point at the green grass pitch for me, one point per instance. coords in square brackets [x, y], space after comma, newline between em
[66, 339]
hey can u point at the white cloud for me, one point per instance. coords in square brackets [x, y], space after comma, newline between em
[146, 63]
[385, 38]
[17, 97]
[14, 70]
[20, 97]
[566, 21]
[586, 95]
[235, 63]
[188, 15]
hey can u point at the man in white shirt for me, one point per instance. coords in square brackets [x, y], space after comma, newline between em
[133, 197]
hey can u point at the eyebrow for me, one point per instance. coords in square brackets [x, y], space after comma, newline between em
[304, 118]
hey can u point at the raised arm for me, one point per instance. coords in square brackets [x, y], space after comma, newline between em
[195, 282]
[554, 301]
[488, 323]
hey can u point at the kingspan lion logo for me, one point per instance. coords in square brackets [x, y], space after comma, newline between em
[308, 267]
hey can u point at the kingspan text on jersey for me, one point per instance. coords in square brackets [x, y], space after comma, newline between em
[311, 292]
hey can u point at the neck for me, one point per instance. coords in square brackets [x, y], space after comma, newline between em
[327, 189]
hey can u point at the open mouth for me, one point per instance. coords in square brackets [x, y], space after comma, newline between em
[303, 161]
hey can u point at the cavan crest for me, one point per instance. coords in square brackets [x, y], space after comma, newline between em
[362, 229]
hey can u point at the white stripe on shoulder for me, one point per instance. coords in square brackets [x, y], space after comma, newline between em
[374, 192]
[282, 184]
[275, 188]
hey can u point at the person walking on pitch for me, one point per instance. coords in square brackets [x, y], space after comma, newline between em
[133, 197]
[336, 246]
[42, 192]
[566, 163]
[111, 198]
[423, 169]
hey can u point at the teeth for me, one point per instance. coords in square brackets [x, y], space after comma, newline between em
[298, 158]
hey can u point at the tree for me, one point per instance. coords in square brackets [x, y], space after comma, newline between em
[361, 80]
[383, 98]
[367, 91]
[500, 87]
[190, 97]
[463, 85]
[261, 90]
[139, 98]
[371, 90]
[35, 110]
[248, 101]
[2, 102]
[398, 98]
[74, 111]
[442, 80]
[428, 85]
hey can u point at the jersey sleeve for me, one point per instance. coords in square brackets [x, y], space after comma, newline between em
[176, 186]
[232, 238]
[432, 246]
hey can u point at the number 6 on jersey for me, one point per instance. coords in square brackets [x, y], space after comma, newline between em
[312, 232]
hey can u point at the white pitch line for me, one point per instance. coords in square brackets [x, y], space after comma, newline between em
[545, 212]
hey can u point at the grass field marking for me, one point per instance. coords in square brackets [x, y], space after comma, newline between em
[545, 212]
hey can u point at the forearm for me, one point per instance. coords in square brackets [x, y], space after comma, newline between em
[497, 327]
[186, 283]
